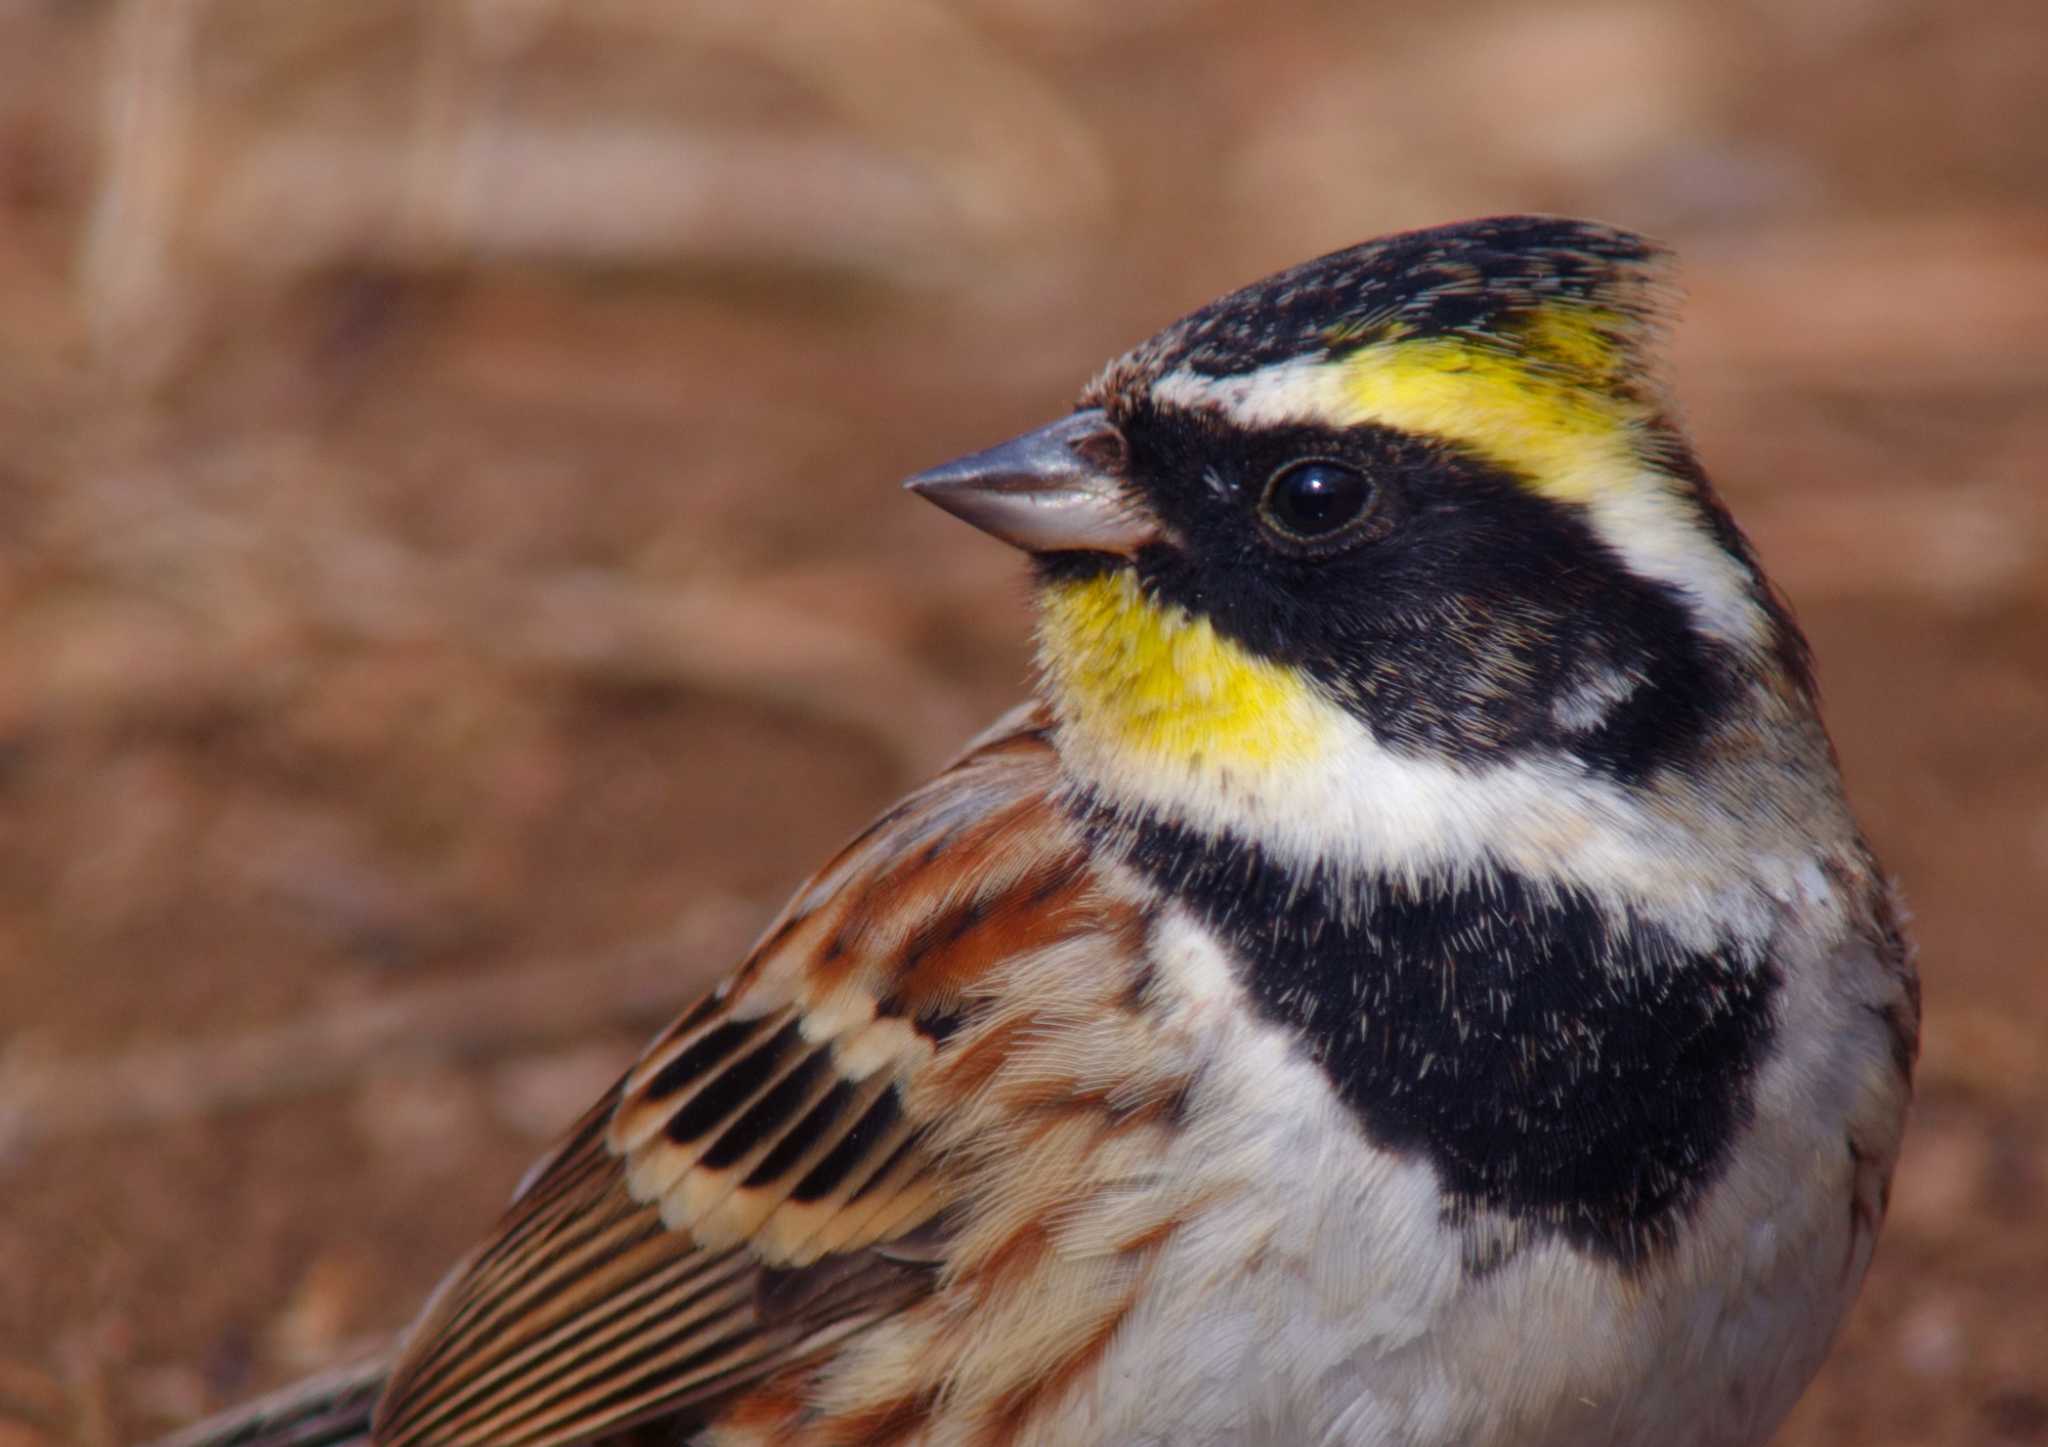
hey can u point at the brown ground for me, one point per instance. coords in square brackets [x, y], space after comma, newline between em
[452, 580]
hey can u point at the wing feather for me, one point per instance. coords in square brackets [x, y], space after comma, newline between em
[727, 1213]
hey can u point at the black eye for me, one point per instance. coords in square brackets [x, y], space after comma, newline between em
[1312, 501]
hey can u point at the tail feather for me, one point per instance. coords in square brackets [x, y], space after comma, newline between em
[330, 1410]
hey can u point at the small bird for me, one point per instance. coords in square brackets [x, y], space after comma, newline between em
[1410, 977]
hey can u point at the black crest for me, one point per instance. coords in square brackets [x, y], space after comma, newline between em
[1480, 280]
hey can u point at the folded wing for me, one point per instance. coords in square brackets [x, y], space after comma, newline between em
[764, 1182]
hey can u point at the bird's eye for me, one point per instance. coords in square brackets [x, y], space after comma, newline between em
[1316, 500]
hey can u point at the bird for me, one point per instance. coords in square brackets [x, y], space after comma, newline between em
[1410, 973]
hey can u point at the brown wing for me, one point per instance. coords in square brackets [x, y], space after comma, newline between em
[755, 1190]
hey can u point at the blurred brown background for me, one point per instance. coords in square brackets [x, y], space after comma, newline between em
[452, 579]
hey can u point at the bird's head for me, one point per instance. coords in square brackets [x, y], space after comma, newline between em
[1416, 510]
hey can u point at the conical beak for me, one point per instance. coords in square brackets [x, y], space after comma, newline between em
[1056, 490]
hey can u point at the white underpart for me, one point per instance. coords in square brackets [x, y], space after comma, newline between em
[1358, 806]
[1320, 1299]
[1629, 506]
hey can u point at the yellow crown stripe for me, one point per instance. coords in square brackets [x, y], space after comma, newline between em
[1552, 410]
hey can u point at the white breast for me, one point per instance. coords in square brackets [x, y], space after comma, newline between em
[1321, 1299]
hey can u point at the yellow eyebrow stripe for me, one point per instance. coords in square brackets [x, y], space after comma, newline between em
[1550, 415]
[1566, 413]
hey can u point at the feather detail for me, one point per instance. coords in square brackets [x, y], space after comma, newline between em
[328, 1410]
[729, 1213]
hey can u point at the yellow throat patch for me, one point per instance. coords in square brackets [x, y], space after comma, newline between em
[1157, 687]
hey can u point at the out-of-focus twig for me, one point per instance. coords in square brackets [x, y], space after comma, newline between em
[939, 148]
[125, 272]
[464, 46]
[1964, 307]
[198, 600]
[474, 1019]
[1018, 159]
